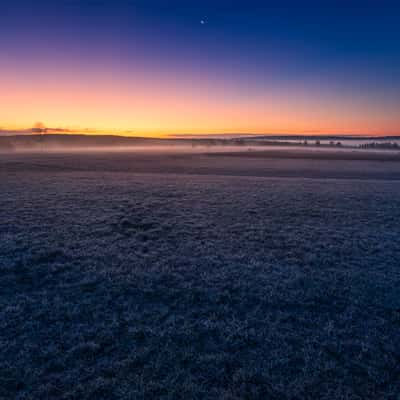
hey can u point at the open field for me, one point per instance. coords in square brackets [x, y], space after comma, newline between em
[199, 276]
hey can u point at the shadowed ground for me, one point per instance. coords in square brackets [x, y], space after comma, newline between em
[193, 276]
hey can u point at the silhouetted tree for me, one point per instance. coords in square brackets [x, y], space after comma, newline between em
[39, 128]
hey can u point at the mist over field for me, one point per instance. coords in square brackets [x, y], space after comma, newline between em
[176, 275]
[53, 143]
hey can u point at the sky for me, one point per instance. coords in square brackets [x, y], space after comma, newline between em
[165, 67]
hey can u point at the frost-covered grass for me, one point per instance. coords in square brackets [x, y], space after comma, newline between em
[188, 286]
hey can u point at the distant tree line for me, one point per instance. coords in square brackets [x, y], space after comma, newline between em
[380, 145]
[318, 143]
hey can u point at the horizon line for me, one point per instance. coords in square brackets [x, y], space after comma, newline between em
[42, 130]
[189, 136]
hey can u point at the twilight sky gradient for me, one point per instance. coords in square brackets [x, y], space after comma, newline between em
[150, 67]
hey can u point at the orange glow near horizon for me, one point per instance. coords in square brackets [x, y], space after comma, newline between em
[141, 104]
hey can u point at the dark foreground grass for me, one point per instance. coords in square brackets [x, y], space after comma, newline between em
[124, 286]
